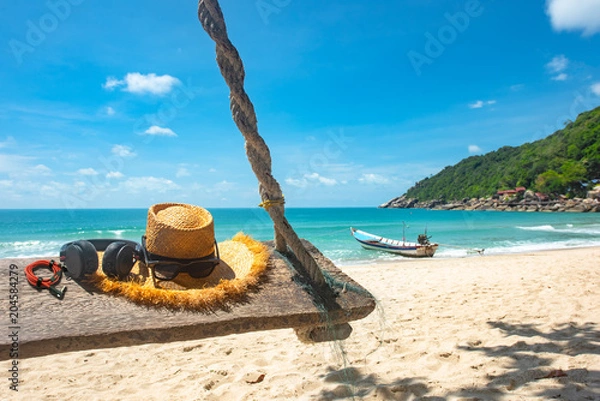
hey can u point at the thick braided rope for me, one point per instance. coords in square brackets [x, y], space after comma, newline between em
[242, 110]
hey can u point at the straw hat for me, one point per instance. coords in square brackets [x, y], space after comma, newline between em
[182, 231]
[177, 230]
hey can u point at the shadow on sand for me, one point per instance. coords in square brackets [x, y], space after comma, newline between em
[529, 359]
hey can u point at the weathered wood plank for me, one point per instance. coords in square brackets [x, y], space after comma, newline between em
[88, 319]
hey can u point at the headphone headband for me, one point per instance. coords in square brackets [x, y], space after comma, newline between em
[102, 243]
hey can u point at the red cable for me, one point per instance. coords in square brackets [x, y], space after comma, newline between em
[48, 283]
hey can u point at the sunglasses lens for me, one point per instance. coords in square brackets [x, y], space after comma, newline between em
[169, 269]
[164, 271]
[201, 269]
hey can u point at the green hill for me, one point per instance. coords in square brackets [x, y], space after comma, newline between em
[562, 163]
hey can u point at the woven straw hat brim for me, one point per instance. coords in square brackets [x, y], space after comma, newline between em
[243, 261]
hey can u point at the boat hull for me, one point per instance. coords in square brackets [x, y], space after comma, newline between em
[376, 243]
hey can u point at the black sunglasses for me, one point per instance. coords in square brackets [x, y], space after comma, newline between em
[167, 269]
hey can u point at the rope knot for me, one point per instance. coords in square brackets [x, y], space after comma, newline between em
[266, 204]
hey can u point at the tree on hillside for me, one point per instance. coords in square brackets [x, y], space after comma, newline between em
[550, 182]
[574, 177]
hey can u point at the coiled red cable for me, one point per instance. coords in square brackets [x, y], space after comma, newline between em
[49, 283]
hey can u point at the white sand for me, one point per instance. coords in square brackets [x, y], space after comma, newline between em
[478, 328]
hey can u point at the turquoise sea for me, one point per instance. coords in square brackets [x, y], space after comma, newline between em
[37, 233]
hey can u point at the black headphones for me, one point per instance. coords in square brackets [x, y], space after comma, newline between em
[81, 257]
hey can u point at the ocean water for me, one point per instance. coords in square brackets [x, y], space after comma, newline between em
[40, 233]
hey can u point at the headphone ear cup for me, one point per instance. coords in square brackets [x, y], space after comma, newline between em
[118, 260]
[81, 259]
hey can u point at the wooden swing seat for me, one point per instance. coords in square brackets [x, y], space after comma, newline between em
[89, 319]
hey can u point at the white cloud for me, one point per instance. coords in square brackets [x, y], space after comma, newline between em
[212, 170]
[314, 178]
[596, 88]
[224, 186]
[87, 171]
[480, 103]
[558, 64]
[182, 172]
[141, 84]
[13, 163]
[110, 111]
[473, 149]
[148, 184]
[327, 181]
[123, 151]
[560, 77]
[17, 166]
[373, 179]
[40, 169]
[574, 15]
[10, 141]
[299, 183]
[111, 83]
[114, 174]
[320, 179]
[159, 131]
[53, 188]
[21, 191]
[216, 190]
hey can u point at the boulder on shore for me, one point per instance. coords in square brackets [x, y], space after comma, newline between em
[594, 193]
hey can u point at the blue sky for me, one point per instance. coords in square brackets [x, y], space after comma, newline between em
[121, 104]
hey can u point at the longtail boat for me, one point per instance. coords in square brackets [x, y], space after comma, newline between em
[420, 249]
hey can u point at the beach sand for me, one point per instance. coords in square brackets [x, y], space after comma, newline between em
[509, 327]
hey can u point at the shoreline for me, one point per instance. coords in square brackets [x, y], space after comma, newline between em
[402, 260]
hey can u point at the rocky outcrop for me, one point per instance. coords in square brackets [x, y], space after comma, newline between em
[401, 202]
[529, 203]
[594, 193]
